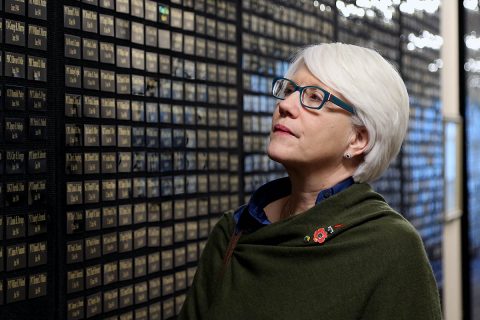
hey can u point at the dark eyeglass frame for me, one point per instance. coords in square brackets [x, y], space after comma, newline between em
[327, 96]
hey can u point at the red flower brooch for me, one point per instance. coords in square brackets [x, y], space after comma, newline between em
[320, 235]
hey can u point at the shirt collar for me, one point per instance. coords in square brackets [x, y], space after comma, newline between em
[252, 216]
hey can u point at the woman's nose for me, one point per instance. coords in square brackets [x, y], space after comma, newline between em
[290, 106]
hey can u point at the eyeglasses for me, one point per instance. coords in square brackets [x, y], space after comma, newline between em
[311, 97]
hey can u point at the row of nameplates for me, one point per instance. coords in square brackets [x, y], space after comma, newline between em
[107, 80]
[34, 193]
[94, 191]
[35, 161]
[17, 289]
[93, 135]
[94, 219]
[148, 9]
[94, 247]
[17, 255]
[21, 193]
[140, 161]
[16, 96]
[133, 294]
[15, 66]
[36, 8]
[139, 85]
[77, 106]
[15, 129]
[16, 31]
[16, 226]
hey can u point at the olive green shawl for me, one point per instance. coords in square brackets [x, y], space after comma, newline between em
[373, 266]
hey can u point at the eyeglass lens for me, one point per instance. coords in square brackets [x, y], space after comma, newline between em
[311, 97]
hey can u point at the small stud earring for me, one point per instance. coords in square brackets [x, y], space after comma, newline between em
[347, 155]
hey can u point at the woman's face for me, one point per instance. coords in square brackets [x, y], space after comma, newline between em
[303, 138]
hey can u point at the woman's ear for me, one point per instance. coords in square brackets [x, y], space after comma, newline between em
[359, 141]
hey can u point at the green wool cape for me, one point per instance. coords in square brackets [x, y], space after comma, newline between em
[373, 266]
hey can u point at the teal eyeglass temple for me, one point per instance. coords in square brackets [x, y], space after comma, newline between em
[327, 96]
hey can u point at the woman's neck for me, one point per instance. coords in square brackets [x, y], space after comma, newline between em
[306, 186]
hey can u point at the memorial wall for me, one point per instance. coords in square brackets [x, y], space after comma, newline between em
[127, 127]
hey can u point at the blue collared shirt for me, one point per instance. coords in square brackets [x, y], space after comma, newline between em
[251, 216]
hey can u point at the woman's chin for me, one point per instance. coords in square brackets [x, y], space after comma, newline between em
[281, 155]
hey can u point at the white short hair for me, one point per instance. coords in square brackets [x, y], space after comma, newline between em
[376, 90]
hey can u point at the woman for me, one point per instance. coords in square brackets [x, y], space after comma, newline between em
[320, 244]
